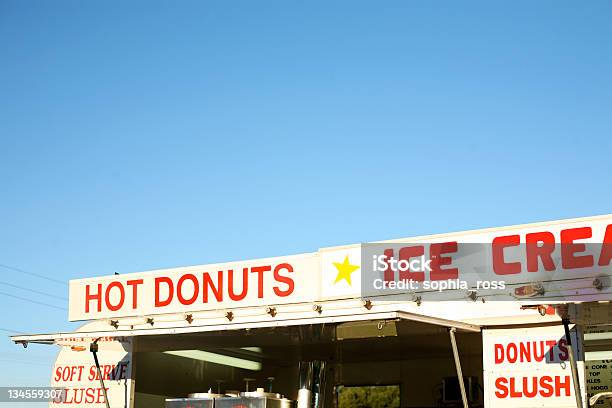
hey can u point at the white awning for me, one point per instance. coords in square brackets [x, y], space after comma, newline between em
[53, 338]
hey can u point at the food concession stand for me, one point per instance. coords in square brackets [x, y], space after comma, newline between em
[522, 320]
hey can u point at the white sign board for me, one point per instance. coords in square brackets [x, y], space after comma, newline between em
[76, 374]
[271, 281]
[558, 261]
[529, 367]
[599, 380]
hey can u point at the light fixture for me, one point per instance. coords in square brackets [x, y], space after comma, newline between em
[271, 310]
[216, 358]
[529, 291]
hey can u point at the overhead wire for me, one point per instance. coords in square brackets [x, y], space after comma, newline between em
[38, 275]
[32, 301]
[32, 290]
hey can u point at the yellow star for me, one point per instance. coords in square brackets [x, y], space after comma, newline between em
[344, 270]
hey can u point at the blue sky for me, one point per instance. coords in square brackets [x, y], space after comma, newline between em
[142, 135]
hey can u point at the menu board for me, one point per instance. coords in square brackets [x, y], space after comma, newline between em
[599, 372]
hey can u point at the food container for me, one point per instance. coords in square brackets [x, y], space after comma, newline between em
[190, 403]
[253, 402]
[205, 395]
[255, 399]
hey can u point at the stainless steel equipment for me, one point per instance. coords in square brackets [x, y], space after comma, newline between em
[312, 384]
[255, 399]
[304, 399]
[190, 402]
[248, 399]
[318, 384]
[305, 392]
[254, 402]
[194, 400]
[205, 395]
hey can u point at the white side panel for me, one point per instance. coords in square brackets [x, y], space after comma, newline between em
[529, 367]
[75, 372]
[261, 282]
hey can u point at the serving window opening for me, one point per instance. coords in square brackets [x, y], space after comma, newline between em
[369, 364]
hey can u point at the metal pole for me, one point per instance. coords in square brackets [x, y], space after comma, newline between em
[93, 347]
[573, 366]
[451, 333]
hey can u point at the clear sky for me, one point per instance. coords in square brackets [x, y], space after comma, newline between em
[144, 134]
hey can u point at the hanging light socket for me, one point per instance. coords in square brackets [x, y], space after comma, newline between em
[271, 310]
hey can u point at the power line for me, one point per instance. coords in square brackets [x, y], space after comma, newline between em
[32, 290]
[32, 301]
[10, 331]
[12, 268]
[23, 362]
